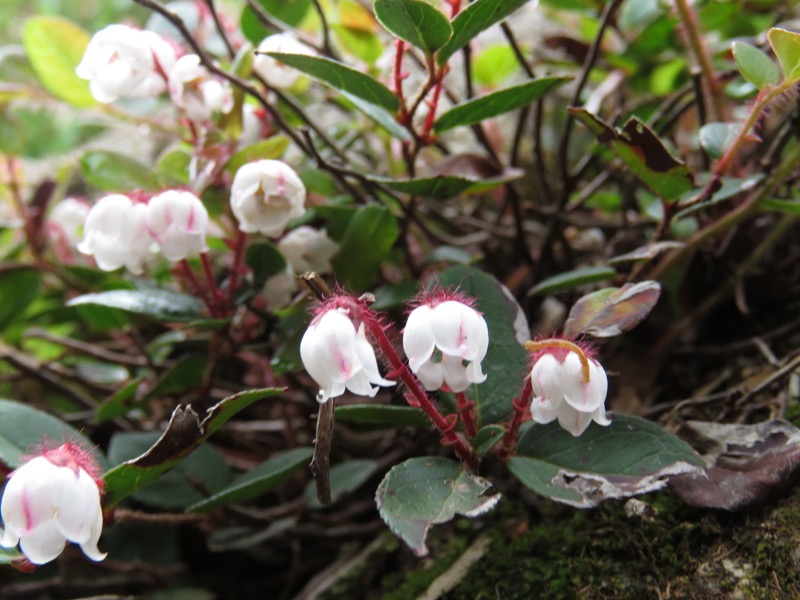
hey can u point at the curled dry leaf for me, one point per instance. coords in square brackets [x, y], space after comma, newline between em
[612, 311]
[746, 464]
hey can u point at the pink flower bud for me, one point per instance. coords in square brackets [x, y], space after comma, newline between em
[265, 194]
[339, 356]
[277, 74]
[193, 89]
[445, 341]
[52, 499]
[178, 221]
[124, 62]
[115, 233]
[560, 391]
[308, 249]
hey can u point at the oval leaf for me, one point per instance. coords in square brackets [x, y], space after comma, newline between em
[573, 279]
[716, 137]
[161, 305]
[414, 21]
[341, 77]
[786, 46]
[496, 103]
[382, 414]
[612, 311]
[755, 65]
[487, 438]
[426, 491]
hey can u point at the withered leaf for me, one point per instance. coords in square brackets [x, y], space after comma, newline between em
[612, 311]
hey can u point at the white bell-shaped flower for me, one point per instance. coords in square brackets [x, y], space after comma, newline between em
[308, 249]
[445, 343]
[339, 356]
[265, 194]
[49, 501]
[116, 234]
[178, 221]
[66, 220]
[275, 73]
[121, 61]
[560, 392]
[196, 91]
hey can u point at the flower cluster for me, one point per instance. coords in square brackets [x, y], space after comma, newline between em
[52, 499]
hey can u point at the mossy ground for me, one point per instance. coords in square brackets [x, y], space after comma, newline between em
[552, 551]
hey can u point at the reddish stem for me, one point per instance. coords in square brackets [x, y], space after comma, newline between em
[466, 410]
[217, 300]
[521, 405]
[237, 267]
[400, 48]
[432, 106]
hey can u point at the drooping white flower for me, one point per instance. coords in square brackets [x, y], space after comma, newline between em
[66, 220]
[121, 61]
[560, 392]
[445, 343]
[196, 91]
[50, 500]
[116, 234]
[308, 249]
[265, 194]
[275, 73]
[338, 356]
[178, 221]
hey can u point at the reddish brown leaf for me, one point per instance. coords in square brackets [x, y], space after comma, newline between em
[612, 311]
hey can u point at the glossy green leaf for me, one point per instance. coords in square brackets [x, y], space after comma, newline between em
[184, 434]
[573, 279]
[414, 21]
[366, 243]
[382, 415]
[271, 148]
[426, 491]
[755, 65]
[18, 288]
[258, 481]
[161, 305]
[476, 17]
[786, 46]
[265, 260]
[715, 138]
[112, 172]
[341, 77]
[506, 362]
[629, 457]
[23, 428]
[496, 103]
[487, 438]
[643, 153]
[345, 478]
[204, 469]
[55, 47]
[612, 311]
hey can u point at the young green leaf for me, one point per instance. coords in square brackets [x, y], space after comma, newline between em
[476, 17]
[342, 78]
[786, 46]
[755, 65]
[496, 103]
[414, 21]
[270, 148]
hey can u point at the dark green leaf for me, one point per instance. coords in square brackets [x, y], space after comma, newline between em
[791, 207]
[161, 305]
[271, 148]
[341, 77]
[476, 17]
[54, 47]
[18, 288]
[345, 478]
[644, 154]
[382, 414]
[122, 401]
[487, 438]
[369, 237]
[631, 456]
[573, 279]
[265, 260]
[786, 46]
[414, 21]
[442, 187]
[496, 103]
[506, 362]
[187, 374]
[184, 434]
[380, 116]
[112, 172]
[612, 311]
[755, 65]
[426, 491]
[257, 481]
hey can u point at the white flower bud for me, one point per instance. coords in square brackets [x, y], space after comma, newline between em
[265, 194]
[66, 220]
[116, 234]
[337, 356]
[308, 249]
[121, 61]
[560, 392]
[279, 289]
[275, 73]
[178, 221]
[439, 338]
[50, 500]
[196, 91]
